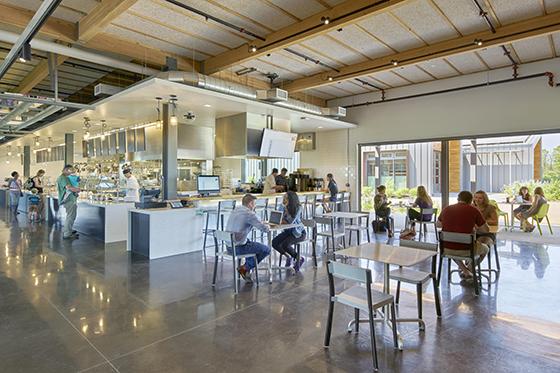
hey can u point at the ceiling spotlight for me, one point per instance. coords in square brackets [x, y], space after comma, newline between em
[330, 78]
[207, 105]
[49, 149]
[478, 42]
[9, 150]
[159, 124]
[252, 48]
[320, 127]
[394, 62]
[25, 53]
[103, 128]
[325, 20]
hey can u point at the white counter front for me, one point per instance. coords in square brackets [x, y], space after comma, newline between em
[158, 233]
[104, 221]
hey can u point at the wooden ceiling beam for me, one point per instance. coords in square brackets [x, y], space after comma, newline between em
[37, 75]
[101, 16]
[348, 12]
[542, 25]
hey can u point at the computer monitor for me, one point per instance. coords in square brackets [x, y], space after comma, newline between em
[275, 217]
[208, 184]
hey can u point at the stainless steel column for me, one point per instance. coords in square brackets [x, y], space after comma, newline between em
[444, 174]
[169, 156]
[68, 148]
[26, 162]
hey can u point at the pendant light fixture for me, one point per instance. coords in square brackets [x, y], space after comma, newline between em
[49, 149]
[159, 124]
[173, 118]
[103, 129]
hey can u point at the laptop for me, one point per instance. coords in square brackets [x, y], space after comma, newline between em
[275, 217]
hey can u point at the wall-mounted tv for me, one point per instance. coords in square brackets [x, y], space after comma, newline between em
[278, 144]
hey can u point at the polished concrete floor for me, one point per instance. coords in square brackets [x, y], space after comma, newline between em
[82, 306]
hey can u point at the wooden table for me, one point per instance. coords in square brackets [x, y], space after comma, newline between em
[388, 254]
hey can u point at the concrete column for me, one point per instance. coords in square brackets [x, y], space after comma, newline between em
[169, 156]
[444, 174]
[68, 148]
[26, 162]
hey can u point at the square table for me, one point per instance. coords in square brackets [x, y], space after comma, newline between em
[388, 254]
[272, 229]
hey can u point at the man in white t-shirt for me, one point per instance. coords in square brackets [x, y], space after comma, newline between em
[132, 187]
[270, 183]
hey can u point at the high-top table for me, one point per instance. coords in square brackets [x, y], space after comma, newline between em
[388, 255]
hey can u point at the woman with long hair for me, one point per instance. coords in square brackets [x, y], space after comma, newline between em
[538, 200]
[489, 213]
[423, 201]
[524, 197]
[285, 241]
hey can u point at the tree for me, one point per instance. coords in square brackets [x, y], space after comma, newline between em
[551, 164]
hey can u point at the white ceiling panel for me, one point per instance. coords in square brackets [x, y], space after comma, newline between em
[333, 50]
[494, 57]
[375, 82]
[85, 6]
[164, 33]
[316, 56]
[61, 12]
[293, 62]
[300, 9]
[317, 92]
[467, 63]
[191, 23]
[353, 86]
[438, 68]
[259, 11]
[413, 73]
[552, 5]
[556, 40]
[510, 11]
[463, 14]
[335, 91]
[388, 30]
[425, 21]
[361, 41]
[533, 49]
[391, 79]
[151, 42]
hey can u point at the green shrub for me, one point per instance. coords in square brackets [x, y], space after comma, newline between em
[551, 189]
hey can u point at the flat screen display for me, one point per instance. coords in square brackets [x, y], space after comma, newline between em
[208, 184]
[278, 144]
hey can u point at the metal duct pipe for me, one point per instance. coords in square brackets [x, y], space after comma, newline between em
[233, 89]
[45, 101]
[80, 54]
[20, 109]
[42, 115]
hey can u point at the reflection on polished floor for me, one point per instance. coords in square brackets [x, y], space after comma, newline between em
[83, 306]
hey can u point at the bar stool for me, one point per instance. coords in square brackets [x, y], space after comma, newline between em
[304, 200]
[346, 201]
[224, 207]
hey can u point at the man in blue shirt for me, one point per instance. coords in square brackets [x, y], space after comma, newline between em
[241, 221]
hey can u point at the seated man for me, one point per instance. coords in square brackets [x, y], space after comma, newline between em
[241, 221]
[464, 218]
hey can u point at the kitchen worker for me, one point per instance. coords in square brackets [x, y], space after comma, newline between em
[132, 187]
[270, 183]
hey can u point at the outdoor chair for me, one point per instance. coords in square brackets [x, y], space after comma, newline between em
[500, 212]
[540, 215]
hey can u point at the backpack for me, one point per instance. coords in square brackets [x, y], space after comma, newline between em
[29, 184]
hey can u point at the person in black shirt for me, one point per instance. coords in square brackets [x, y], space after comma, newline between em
[332, 188]
[282, 179]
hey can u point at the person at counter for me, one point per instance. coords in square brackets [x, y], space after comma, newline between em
[37, 183]
[285, 241]
[132, 187]
[15, 192]
[270, 183]
[68, 197]
[241, 221]
[282, 180]
[332, 189]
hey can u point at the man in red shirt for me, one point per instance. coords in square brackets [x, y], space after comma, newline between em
[464, 218]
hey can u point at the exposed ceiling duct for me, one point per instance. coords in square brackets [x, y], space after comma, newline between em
[39, 116]
[17, 111]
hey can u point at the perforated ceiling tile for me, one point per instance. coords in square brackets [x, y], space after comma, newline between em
[438, 68]
[494, 57]
[391, 79]
[375, 82]
[463, 14]
[315, 55]
[264, 67]
[151, 42]
[188, 21]
[85, 6]
[466, 63]
[552, 5]
[556, 40]
[300, 9]
[510, 11]
[334, 50]
[389, 31]
[533, 49]
[317, 92]
[60, 12]
[425, 21]
[335, 91]
[413, 73]
[162, 32]
[360, 40]
[353, 86]
[259, 11]
[294, 63]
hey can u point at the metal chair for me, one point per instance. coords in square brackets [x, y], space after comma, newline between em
[222, 240]
[359, 297]
[224, 207]
[311, 237]
[359, 227]
[424, 223]
[540, 215]
[278, 202]
[346, 202]
[261, 209]
[465, 239]
[303, 202]
[326, 227]
[418, 278]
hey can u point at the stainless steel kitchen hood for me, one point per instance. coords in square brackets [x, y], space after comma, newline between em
[236, 139]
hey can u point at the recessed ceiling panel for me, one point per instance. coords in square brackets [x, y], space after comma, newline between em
[463, 14]
[466, 63]
[300, 9]
[315, 55]
[425, 21]
[510, 11]
[259, 11]
[494, 57]
[552, 5]
[361, 41]
[334, 50]
[389, 31]
[318, 92]
[391, 79]
[438, 68]
[413, 73]
[533, 49]
[293, 62]
[353, 86]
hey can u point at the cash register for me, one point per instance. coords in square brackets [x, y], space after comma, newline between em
[148, 199]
